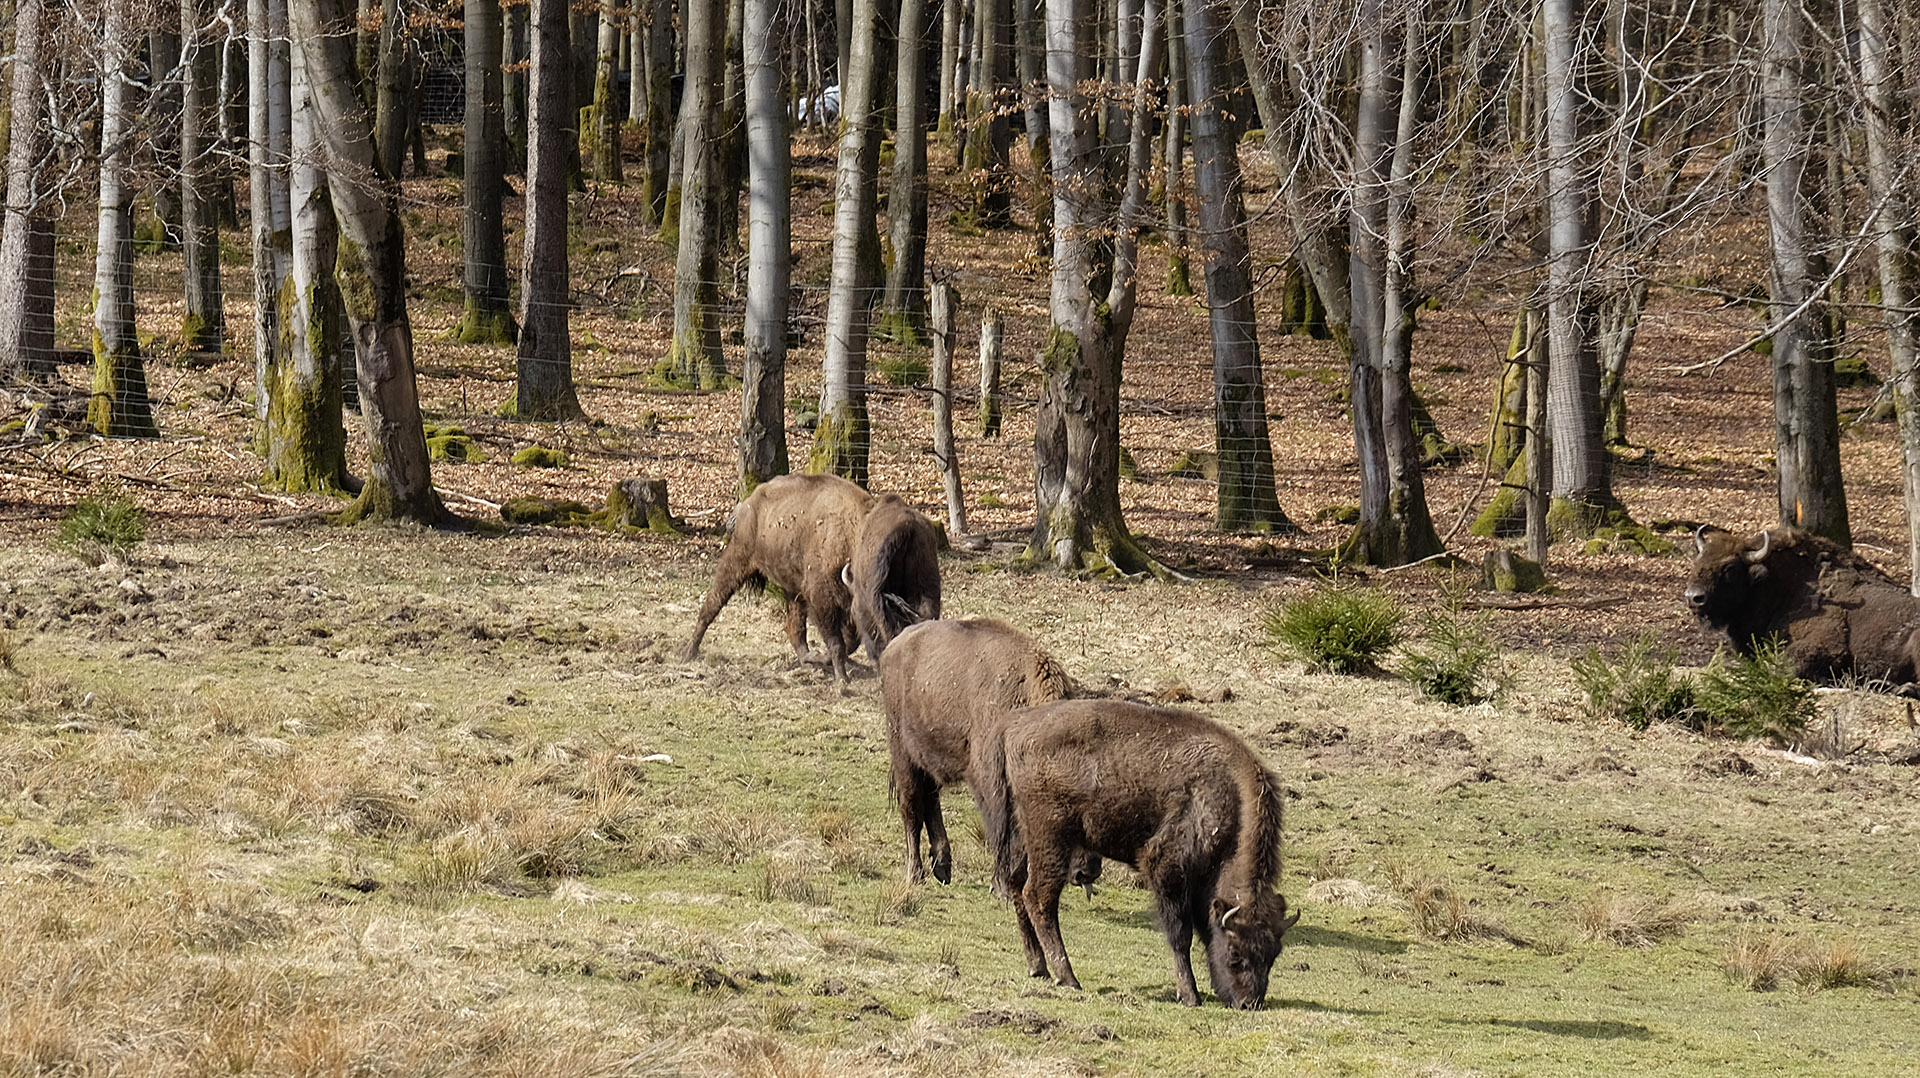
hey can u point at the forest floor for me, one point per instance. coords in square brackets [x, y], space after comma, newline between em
[281, 798]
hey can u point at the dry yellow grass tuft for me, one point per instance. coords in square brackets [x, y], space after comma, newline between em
[1438, 912]
[1762, 960]
[1633, 920]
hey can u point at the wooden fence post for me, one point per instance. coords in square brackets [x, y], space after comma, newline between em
[944, 299]
[990, 373]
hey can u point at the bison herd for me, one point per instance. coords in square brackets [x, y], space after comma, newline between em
[1063, 781]
[1060, 782]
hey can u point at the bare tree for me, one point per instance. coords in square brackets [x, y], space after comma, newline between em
[1887, 122]
[600, 119]
[904, 306]
[658, 74]
[840, 439]
[119, 406]
[269, 150]
[371, 271]
[763, 368]
[1806, 429]
[694, 356]
[488, 317]
[204, 323]
[545, 383]
[26, 239]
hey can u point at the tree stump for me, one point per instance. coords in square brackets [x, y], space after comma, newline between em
[1503, 570]
[640, 503]
[990, 373]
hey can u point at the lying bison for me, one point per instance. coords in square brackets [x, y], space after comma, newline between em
[819, 539]
[1835, 612]
[942, 681]
[894, 573]
[1170, 792]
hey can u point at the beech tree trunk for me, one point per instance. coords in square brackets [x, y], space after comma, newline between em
[1887, 121]
[371, 271]
[659, 117]
[1245, 496]
[988, 134]
[763, 367]
[904, 308]
[1076, 442]
[840, 444]
[119, 407]
[600, 120]
[303, 438]
[163, 107]
[1806, 430]
[203, 326]
[488, 317]
[26, 239]
[694, 357]
[545, 369]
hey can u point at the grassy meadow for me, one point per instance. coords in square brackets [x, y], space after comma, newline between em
[439, 804]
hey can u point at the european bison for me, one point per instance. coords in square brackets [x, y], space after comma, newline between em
[1170, 792]
[838, 553]
[798, 532]
[894, 572]
[1835, 612]
[942, 681]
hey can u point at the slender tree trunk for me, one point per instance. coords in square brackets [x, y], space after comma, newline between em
[1076, 440]
[840, 440]
[392, 86]
[659, 119]
[270, 148]
[600, 120]
[371, 272]
[1805, 424]
[1378, 47]
[1173, 152]
[204, 324]
[1029, 57]
[545, 368]
[694, 357]
[988, 133]
[1582, 492]
[163, 105]
[119, 407]
[1246, 499]
[303, 438]
[1887, 121]
[904, 309]
[488, 317]
[950, 11]
[26, 239]
[513, 83]
[763, 368]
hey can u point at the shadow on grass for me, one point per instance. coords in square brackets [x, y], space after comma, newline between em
[1598, 1031]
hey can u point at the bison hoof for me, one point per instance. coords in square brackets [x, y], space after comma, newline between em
[1069, 981]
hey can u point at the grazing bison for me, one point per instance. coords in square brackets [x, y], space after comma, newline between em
[797, 531]
[894, 573]
[942, 681]
[1834, 611]
[1170, 792]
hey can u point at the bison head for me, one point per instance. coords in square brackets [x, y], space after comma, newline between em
[1726, 573]
[1246, 940]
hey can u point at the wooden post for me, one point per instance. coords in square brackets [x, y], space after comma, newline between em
[945, 298]
[1539, 448]
[990, 373]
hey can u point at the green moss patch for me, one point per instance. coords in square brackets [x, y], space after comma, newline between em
[539, 456]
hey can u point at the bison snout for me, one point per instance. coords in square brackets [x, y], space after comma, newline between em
[1696, 598]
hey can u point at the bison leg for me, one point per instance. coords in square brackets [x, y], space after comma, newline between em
[1029, 942]
[910, 788]
[797, 627]
[1046, 878]
[733, 569]
[1178, 926]
[937, 846]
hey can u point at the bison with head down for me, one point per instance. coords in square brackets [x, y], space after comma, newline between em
[1173, 794]
[857, 566]
[1835, 613]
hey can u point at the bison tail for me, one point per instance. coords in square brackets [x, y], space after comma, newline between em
[993, 795]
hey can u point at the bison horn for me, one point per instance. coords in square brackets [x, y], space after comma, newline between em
[846, 574]
[1226, 919]
[1291, 921]
[1766, 544]
[1700, 539]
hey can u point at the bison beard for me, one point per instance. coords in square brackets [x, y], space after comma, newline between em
[1835, 613]
[817, 538]
[1170, 792]
[943, 681]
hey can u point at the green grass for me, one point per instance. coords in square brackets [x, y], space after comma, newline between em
[405, 842]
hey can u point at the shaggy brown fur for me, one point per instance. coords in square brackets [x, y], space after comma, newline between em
[1835, 611]
[1174, 794]
[941, 681]
[797, 531]
[895, 572]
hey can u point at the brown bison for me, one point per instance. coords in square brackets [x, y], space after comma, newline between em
[1833, 610]
[819, 539]
[1170, 792]
[894, 573]
[942, 681]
